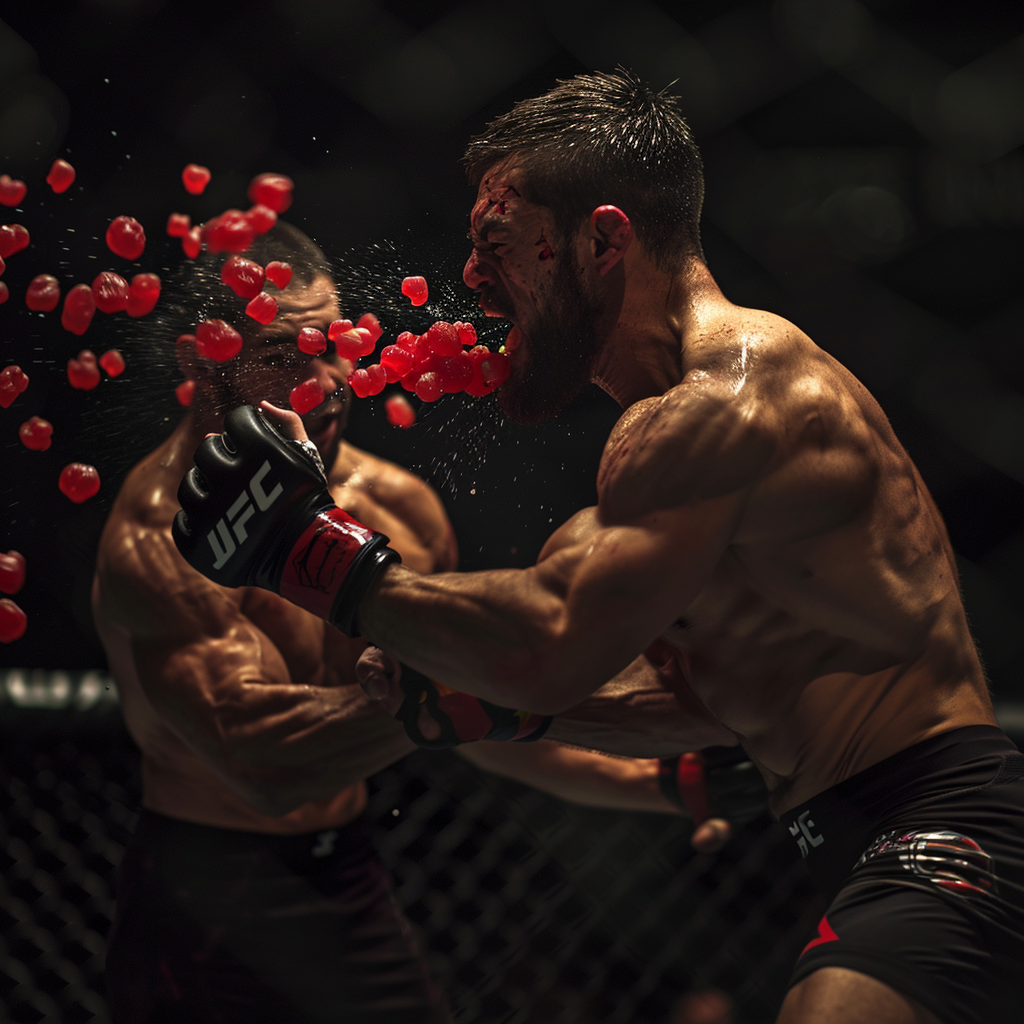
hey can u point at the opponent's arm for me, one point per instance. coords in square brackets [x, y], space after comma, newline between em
[221, 685]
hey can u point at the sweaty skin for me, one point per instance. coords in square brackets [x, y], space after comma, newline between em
[757, 519]
[245, 707]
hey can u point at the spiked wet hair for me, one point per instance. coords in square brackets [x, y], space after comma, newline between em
[604, 138]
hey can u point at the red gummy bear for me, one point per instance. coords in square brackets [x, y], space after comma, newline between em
[428, 387]
[454, 372]
[13, 621]
[12, 191]
[415, 289]
[35, 433]
[367, 382]
[399, 412]
[61, 176]
[311, 341]
[306, 396]
[195, 178]
[126, 238]
[244, 277]
[229, 232]
[278, 273]
[263, 308]
[353, 344]
[13, 238]
[43, 293]
[443, 338]
[178, 225]
[396, 359]
[79, 309]
[368, 322]
[184, 392]
[143, 293]
[192, 242]
[12, 572]
[262, 218]
[273, 190]
[79, 482]
[113, 362]
[13, 380]
[83, 373]
[466, 332]
[218, 340]
[110, 291]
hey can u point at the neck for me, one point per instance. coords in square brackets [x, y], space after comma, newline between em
[659, 317]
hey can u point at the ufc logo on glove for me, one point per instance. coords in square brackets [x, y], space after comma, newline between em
[237, 515]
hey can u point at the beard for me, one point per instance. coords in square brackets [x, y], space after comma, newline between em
[557, 353]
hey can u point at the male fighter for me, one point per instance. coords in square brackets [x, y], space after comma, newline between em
[249, 891]
[756, 516]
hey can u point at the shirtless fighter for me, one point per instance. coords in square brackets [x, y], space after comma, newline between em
[249, 891]
[756, 517]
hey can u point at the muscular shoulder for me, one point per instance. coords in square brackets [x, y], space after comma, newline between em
[759, 407]
[142, 583]
[393, 500]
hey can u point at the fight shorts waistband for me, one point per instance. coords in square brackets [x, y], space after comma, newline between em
[834, 828]
[209, 845]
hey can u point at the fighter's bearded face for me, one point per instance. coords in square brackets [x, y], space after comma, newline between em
[271, 363]
[525, 272]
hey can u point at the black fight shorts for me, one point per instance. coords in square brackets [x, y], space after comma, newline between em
[921, 860]
[218, 925]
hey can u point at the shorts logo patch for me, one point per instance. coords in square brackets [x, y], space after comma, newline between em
[801, 831]
[825, 934]
[947, 859]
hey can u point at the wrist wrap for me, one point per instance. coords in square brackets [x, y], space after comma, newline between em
[461, 717]
[330, 566]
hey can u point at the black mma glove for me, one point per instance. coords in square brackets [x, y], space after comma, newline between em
[462, 718]
[256, 512]
[716, 782]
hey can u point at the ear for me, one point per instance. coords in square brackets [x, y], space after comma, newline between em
[187, 356]
[611, 235]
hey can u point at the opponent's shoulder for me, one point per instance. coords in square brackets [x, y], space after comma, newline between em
[141, 581]
[380, 493]
[756, 392]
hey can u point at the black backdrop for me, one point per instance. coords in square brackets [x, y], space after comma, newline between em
[865, 179]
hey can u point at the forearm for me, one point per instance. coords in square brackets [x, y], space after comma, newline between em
[573, 774]
[279, 749]
[499, 635]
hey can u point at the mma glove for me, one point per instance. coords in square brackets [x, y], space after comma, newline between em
[717, 782]
[256, 512]
[461, 717]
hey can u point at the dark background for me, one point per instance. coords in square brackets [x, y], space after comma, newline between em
[865, 179]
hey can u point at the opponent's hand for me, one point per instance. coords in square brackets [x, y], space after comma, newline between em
[256, 512]
[436, 716]
[719, 787]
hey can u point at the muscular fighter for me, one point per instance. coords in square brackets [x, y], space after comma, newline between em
[249, 891]
[757, 518]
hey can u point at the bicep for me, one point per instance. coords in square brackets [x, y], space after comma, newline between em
[623, 584]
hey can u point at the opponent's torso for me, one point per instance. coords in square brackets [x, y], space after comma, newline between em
[177, 781]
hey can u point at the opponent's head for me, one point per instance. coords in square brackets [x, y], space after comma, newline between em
[600, 158]
[270, 363]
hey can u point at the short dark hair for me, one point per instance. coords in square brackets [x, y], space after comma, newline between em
[604, 138]
[201, 294]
